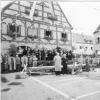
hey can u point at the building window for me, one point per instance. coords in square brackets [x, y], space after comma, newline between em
[80, 47]
[91, 48]
[48, 34]
[27, 12]
[63, 36]
[32, 33]
[85, 48]
[91, 41]
[13, 30]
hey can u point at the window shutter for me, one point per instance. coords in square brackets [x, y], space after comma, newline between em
[8, 29]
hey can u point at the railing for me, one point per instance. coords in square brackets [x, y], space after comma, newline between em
[13, 67]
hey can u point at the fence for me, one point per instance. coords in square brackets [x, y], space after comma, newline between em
[11, 66]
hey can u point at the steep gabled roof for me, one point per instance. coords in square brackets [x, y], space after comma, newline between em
[81, 38]
[97, 30]
[23, 9]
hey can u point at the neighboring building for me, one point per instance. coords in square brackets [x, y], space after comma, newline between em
[35, 24]
[82, 44]
[97, 40]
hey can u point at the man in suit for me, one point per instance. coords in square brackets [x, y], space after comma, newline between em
[64, 63]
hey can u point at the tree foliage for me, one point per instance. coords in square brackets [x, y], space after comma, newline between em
[12, 50]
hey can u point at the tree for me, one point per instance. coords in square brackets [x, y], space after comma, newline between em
[12, 50]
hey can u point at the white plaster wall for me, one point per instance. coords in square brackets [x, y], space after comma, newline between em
[43, 26]
[54, 35]
[52, 28]
[7, 20]
[36, 25]
[4, 28]
[25, 3]
[45, 14]
[97, 47]
[59, 35]
[41, 33]
[77, 46]
[60, 29]
[22, 30]
[38, 7]
[57, 12]
[40, 13]
[37, 18]
[56, 23]
[22, 9]
[14, 6]
[56, 7]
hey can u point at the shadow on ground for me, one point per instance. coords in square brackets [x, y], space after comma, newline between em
[18, 77]
[41, 74]
[92, 77]
[4, 80]
[5, 90]
[15, 83]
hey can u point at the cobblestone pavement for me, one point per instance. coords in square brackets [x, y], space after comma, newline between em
[84, 86]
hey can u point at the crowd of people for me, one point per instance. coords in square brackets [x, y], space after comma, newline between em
[32, 57]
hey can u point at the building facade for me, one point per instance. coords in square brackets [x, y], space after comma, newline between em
[35, 24]
[82, 44]
[97, 40]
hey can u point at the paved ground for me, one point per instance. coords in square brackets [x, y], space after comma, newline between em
[84, 86]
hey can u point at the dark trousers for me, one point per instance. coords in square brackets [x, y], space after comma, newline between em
[18, 67]
[57, 72]
[64, 69]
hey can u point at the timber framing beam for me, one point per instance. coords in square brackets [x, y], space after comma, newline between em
[26, 19]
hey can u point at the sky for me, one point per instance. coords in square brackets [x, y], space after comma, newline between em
[83, 16]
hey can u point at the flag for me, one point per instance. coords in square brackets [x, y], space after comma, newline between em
[50, 7]
[32, 10]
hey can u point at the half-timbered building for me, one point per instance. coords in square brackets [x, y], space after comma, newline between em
[35, 24]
